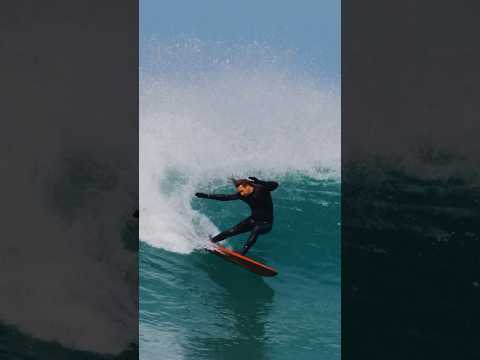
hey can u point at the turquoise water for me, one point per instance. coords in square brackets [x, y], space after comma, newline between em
[209, 112]
[197, 306]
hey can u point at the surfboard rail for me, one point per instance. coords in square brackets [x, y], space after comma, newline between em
[243, 261]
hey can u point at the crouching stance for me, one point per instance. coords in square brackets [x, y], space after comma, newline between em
[256, 194]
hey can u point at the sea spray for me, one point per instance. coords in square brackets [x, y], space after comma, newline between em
[208, 112]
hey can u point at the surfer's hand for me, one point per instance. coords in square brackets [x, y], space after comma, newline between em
[254, 179]
[201, 195]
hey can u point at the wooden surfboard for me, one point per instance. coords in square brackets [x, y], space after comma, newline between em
[243, 261]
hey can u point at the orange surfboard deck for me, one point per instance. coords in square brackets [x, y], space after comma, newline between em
[243, 261]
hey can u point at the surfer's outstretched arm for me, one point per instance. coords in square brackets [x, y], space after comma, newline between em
[219, 197]
[270, 185]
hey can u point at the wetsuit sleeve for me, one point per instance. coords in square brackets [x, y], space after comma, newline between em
[224, 197]
[270, 185]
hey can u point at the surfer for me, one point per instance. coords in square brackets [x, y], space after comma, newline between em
[256, 193]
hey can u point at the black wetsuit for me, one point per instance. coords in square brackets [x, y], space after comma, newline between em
[261, 219]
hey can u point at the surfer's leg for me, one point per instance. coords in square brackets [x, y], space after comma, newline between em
[261, 228]
[242, 227]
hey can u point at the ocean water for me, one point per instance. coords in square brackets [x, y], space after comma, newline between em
[196, 306]
[207, 113]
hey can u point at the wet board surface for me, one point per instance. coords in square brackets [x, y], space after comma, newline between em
[243, 261]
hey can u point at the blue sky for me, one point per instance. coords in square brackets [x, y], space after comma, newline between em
[309, 27]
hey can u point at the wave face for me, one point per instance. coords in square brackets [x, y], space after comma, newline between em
[208, 112]
[197, 306]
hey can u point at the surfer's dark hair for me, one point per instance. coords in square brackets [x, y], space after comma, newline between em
[243, 182]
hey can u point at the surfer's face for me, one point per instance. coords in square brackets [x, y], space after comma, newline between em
[245, 190]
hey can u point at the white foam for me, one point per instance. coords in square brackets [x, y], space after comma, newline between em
[209, 112]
